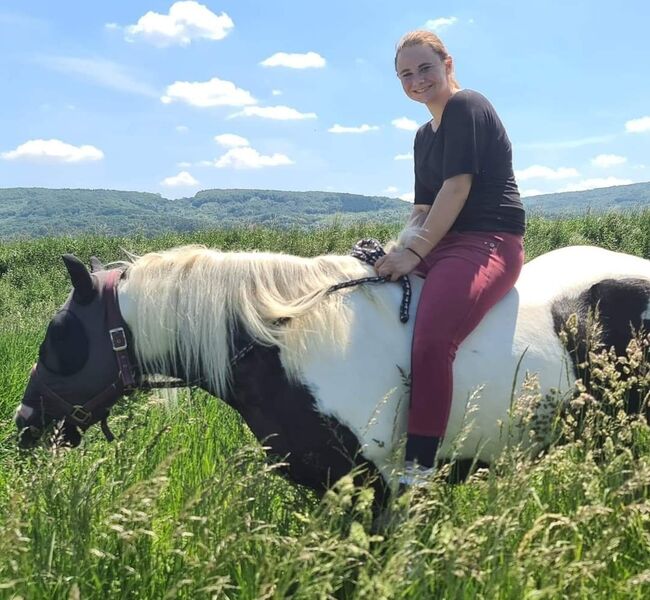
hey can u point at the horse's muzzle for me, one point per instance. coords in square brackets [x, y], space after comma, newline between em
[28, 435]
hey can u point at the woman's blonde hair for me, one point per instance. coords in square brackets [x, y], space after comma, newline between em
[421, 37]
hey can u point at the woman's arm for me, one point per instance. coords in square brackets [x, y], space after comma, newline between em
[441, 216]
[418, 215]
[449, 202]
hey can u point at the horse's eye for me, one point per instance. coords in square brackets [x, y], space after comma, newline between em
[64, 350]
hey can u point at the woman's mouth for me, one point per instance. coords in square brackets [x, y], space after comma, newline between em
[423, 90]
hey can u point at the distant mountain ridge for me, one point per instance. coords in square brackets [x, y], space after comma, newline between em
[621, 197]
[36, 212]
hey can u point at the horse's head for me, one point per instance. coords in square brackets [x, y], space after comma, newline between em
[77, 377]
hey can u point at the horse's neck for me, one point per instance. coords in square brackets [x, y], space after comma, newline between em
[128, 310]
[160, 357]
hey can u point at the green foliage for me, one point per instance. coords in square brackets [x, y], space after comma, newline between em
[183, 504]
[33, 212]
[620, 198]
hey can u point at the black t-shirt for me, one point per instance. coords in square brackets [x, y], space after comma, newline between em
[470, 140]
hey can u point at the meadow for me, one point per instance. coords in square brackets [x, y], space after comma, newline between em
[184, 504]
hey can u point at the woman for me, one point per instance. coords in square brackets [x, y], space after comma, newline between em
[469, 241]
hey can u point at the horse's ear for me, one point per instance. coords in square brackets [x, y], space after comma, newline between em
[95, 264]
[82, 282]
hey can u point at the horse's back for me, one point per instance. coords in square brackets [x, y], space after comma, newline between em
[570, 270]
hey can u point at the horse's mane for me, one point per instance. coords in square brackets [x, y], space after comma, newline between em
[189, 300]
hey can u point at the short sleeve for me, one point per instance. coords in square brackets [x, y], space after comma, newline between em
[422, 195]
[464, 138]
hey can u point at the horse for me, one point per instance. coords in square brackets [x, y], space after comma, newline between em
[321, 378]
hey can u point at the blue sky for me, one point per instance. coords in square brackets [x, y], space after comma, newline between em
[286, 94]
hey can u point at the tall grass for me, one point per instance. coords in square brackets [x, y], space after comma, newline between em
[184, 505]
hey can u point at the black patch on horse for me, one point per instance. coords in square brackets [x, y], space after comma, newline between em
[64, 350]
[619, 304]
[319, 449]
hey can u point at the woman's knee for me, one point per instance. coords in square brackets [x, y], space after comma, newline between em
[432, 346]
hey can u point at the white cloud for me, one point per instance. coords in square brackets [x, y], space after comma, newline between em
[182, 128]
[112, 26]
[215, 92]
[408, 156]
[55, 151]
[183, 179]
[230, 140]
[440, 24]
[102, 72]
[591, 184]
[248, 158]
[404, 123]
[391, 189]
[276, 92]
[529, 193]
[280, 113]
[310, 60]
[541, 172]
[361, 129]
[639, 125]
[185, 22]
[608, 160]
[184, 165]
[408, 197]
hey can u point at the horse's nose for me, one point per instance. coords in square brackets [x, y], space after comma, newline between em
[28, 421]
[28, 435]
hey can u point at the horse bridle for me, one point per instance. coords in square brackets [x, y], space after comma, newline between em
[97, 409]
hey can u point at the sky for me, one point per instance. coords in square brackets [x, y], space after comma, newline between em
[174, 97]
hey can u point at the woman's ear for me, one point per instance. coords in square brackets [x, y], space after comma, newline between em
[449, 65]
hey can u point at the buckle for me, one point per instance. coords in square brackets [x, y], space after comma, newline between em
[80, 414]
[118, 338]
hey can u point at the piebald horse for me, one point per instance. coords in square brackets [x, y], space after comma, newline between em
[321, 378]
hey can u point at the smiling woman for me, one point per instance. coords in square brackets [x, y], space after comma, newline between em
[467, 223]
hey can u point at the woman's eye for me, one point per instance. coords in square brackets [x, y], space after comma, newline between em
[425, 69]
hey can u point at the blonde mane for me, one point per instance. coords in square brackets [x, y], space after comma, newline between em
[188, 301]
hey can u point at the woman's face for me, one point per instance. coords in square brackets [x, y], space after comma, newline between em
[423, 74]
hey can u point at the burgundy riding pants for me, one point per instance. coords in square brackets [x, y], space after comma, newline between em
[466, 274]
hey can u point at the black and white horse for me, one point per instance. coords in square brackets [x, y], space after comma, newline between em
[322, 378]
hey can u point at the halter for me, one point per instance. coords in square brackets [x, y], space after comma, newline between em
[97, 409]
[84, 415]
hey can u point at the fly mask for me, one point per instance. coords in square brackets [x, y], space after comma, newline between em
[84, 365]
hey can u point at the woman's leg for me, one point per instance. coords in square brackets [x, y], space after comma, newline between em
[467, 275]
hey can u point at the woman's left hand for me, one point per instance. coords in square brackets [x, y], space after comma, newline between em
[396, 263]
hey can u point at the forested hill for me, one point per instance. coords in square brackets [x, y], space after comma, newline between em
[33, 212]
[617, 198]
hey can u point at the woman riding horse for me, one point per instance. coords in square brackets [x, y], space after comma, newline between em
[469, 244]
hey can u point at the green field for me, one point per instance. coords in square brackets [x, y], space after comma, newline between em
[184, 505]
